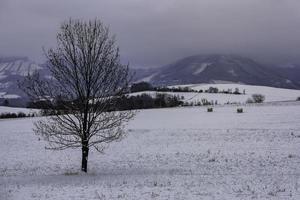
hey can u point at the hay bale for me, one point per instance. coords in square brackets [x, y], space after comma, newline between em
[240, 110]
[210, 110]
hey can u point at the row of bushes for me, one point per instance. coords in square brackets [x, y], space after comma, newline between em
[145, 101]
[15, 115]
[144, 86]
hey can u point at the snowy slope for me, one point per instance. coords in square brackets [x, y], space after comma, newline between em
[5, 109]
[180, 153]
[13, 70]
[214, 67]
[271, 94]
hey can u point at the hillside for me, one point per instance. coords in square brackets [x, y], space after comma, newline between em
[217, 69]
[13, 70]
[271, 94]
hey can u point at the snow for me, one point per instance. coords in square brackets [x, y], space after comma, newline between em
[19, 67]
[223, 82]
[232, 72]
[6, 109]
[10, 96]
[271, 94]
[148, 78]
[202, 68]
[178, 153]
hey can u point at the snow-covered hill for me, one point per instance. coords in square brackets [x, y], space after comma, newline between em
[13, 70]
[5, 109]
[216, 69]
[271, 94]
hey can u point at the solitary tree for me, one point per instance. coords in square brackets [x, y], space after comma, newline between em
[87, 76]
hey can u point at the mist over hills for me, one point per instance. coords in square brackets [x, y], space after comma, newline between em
[189, 70]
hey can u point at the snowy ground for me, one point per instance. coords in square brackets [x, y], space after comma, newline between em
[271, 94]
[180, 153]
[6, 109]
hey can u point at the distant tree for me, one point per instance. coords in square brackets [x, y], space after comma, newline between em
[258, 98]
[213, 90]
[87, 77]
[236, 91]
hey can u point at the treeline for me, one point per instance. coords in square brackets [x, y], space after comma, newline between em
[144, 86]
[146, 101]
[126, 102]
[15, 115]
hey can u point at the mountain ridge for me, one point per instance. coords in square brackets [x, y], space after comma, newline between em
[218, 67]
[215, 68]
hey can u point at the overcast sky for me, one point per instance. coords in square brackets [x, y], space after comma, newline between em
[157, 32]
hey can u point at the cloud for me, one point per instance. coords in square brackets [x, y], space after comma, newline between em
[154, 33]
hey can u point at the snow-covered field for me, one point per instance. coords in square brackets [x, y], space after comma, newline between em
[6, 109]
[271, 94]
[179, 153]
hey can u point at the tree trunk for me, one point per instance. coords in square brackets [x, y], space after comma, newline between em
[85, 154]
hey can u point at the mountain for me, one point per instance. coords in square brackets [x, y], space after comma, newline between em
[12, 70]
[217, 69]
[292, 71]
[190, 70]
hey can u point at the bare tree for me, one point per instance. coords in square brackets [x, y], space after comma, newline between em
[87, 76]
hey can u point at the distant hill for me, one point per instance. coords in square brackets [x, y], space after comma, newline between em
[12, 70]
[190, 70]
[217, 69]
[292, 71]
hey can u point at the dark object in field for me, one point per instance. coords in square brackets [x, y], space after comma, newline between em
[240, 110]
[210, 110]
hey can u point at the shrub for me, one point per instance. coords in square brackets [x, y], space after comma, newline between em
[205, 102]
[298, 99]
[20, 114]
[209, 109]
[258, 98]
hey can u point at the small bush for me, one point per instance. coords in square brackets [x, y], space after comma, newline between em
[210, 110]
[298, 99]
[240, 110]
[258, 98]
[20, 114]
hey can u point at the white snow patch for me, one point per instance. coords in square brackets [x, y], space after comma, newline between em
[232, 72]
[201, 68]
[147, 79]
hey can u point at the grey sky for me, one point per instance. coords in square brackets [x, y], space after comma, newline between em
[156, 32]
